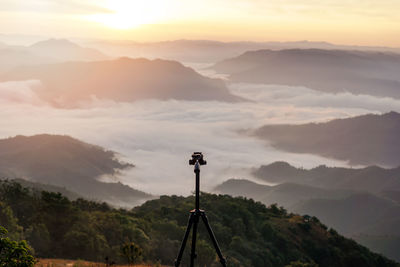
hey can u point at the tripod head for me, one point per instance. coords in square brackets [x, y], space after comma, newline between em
[197, 157]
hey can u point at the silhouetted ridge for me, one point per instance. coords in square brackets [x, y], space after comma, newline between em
[66, 162]
[367, 139]
[334, 71]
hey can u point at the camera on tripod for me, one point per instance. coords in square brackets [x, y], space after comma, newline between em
[197, 157]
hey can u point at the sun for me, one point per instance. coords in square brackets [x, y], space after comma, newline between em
[128, 14]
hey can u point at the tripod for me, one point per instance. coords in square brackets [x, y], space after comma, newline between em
[194, 218]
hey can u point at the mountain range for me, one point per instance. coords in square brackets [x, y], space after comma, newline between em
[210, 51]
[68, 163]
[45, 52]
[363, 140]
[360, 203]
[333, 71]
[123, 80]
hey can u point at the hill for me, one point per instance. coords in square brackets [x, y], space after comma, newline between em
[45, 52]
[250, 234]
[122, 80]
[372, 179]
[66, 162]
[355, 214]
[65, 50]
[363, 140]
[286, 194]
[359, 72]
[38, 187]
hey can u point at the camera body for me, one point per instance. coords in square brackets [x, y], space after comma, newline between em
[197, 157]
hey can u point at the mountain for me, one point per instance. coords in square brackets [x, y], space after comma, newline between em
[355, 214]
[66, 162]
[334, 71]
[363, 140]
[358, 213]
[11, 58]
[371, 179]
[249, 233]
[65, 50]
[38, 187]
[285, 194]
[209, 51]
[45, 52]
[124, 79]
[371, 220]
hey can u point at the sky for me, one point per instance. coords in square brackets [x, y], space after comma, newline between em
[362, 22]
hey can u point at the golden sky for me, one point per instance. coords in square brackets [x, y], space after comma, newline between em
[362, 22]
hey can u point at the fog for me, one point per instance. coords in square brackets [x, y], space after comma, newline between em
[159, 136]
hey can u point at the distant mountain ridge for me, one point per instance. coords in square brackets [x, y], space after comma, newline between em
[45, 52]
[211, 51]
[370, 179]
[286, 194]
[67, 162]
[65, 50]
[363, 140]
[122, 80]
[333, 71]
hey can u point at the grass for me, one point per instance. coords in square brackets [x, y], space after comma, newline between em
[79, 263]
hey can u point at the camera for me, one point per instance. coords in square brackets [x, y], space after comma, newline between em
[197, 157]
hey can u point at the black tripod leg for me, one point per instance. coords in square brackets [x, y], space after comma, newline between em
[185, 238]
[213, 239]
[194, 236]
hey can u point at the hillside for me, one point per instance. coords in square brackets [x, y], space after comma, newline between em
[359, 72]
[286, 194]
[358, 213]
[355, 214]
[38, 187]
[367, 140]
[249, 233]
[121, 80]
[66, 162]
[370, 220]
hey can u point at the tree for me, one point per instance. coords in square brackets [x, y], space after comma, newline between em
[8, 221]
[13, 253]
[206, 253]
[131, 252]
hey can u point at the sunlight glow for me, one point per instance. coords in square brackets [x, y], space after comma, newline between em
[128, 14]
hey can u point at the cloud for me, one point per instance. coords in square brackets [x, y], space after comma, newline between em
[20, 92]
[159, 136]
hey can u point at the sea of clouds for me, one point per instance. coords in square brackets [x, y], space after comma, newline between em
[159, 136]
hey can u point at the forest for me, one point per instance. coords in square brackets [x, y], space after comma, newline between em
[249, 233]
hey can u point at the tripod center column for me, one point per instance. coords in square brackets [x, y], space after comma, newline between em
[197, 172]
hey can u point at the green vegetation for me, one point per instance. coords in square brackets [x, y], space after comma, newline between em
[250, 234]
[13, 253]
